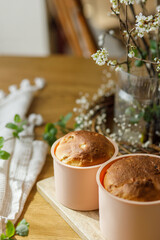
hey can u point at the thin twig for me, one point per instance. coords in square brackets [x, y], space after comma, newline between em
[146, 61]
[134, 42]
[143, 39]
[128, 67]
[144, 9]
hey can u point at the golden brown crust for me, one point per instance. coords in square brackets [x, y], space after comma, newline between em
[134, 178]
[84, 148]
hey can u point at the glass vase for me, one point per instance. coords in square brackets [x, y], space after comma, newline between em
[135, 99]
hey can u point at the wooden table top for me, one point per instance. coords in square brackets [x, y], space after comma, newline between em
[65, 78]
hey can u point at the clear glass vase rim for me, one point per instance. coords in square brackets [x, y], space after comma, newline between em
[134, 75]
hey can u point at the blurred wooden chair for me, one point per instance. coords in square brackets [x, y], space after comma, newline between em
[69, 14]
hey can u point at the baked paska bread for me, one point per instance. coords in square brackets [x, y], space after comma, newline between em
[84, 148]
[134, 178]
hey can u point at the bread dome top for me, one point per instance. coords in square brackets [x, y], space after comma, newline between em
[84, 148]
[134, 178]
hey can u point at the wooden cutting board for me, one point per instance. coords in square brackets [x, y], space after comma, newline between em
[85, 224]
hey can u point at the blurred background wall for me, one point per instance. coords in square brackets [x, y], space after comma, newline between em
[24, 28]
[44, 27]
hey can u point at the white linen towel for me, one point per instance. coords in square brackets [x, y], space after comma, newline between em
[19, 173]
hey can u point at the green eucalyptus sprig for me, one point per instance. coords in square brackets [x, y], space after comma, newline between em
[3, 154]
[51, 129]
[22, 229]
[49, 135]
[17, 126]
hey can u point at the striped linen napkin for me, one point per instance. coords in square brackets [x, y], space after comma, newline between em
[19, 173]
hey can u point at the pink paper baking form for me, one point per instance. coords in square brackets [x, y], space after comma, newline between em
[76, 187]
[122, 219]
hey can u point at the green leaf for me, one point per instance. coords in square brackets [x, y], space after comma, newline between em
[17, 118]
[22, 228]
[76, 125]
[64, 130]
[24, 122]
[1, 142]
[63, 120]
[51, 129]
[70, 129]
[49, 138]
[50, 133]
[61, 124]
[133, 120]
[157, 113]
[12, 126]
[136, 119]
[154, 53]
[4, 155]
[20, 129]
[148, 114]
[129, 111]
[135, 51]
[67, 117]
[48, 127]
[10, 229]
[144, 54]
[23, 221]
[15, 134]
[153, 44]
[138, 63]
[3, 237]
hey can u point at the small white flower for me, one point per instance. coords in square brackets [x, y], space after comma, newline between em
[112, 63]
[111, 32]
[146, 144]
[114, 3]
[146, 24]
[131, 54]
[108, 130]
[127, 2]
[100, 37]
[158, 64]
[118, 68]
[157, 60]
[117, 12]
[148, 65]
[100, 43]
[101, 56]
[158, 8]
[158, 68]
[101, 40]
[125, 33]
